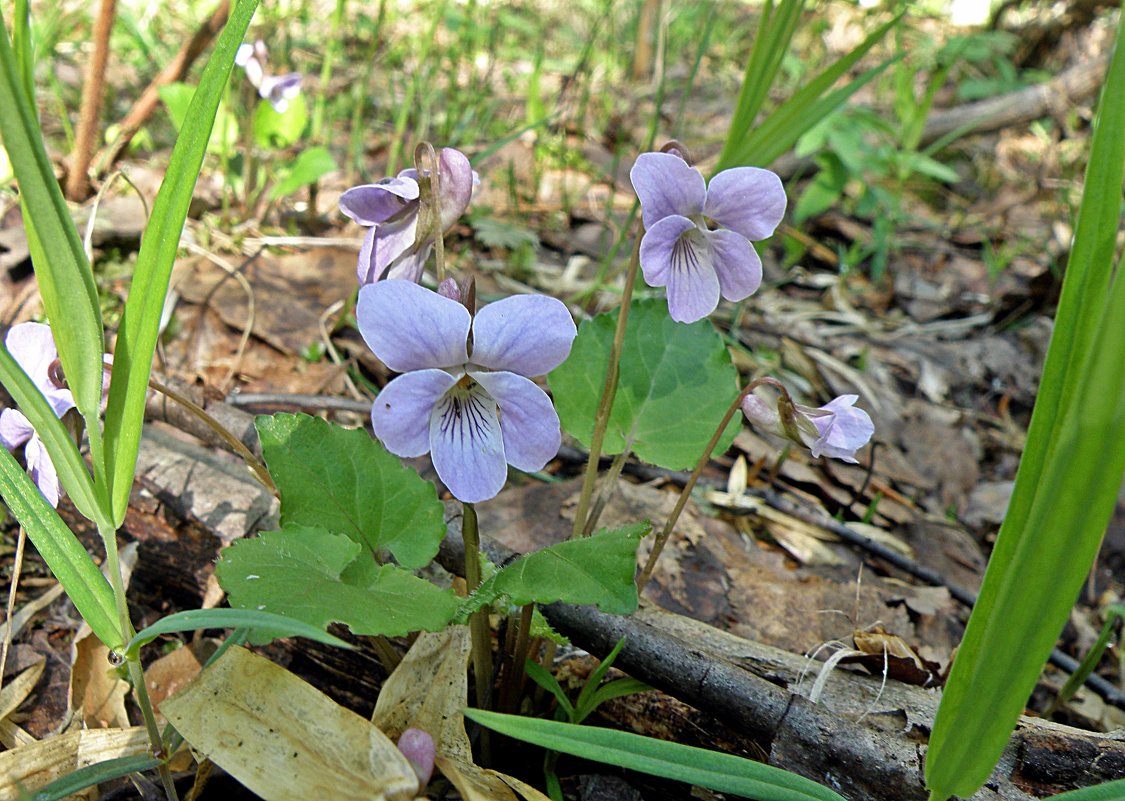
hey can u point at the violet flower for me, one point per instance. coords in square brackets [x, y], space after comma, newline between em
[33, 348]
[836, 430]
[418, 747]
[465, 394]
[392, 248]
[277, 89]
[697, 237]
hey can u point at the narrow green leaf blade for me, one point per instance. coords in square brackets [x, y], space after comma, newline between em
[724, 773]
[313, 575]
[93, 775]
[66, 282]
[343, 480]
[1066, 488]
[61, 550]
[1110, 791]
[64, 453]
[136, 339]
[196, 619]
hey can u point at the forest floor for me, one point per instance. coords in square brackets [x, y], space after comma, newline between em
[929, 293]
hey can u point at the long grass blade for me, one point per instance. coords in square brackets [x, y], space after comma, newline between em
[93, 775]
[61, 550]
[725, 773]
[1066, 486]
[136, 341]
[66, 282]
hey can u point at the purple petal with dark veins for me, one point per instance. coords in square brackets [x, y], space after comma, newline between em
[526, 334]
[466, 445]
[528, 422]
[401, 413]
[411, 328]
[666, 185]
[658, 245]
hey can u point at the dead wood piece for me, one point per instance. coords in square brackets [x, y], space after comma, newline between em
[77, 180]
[237, 422]
[176, 69]
[755, 690]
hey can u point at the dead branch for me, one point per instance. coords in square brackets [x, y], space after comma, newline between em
[175, 71]
[77, 178]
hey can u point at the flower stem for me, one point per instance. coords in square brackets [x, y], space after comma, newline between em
[478, 623]
[133, 662]
[685, 493]
[609, 392]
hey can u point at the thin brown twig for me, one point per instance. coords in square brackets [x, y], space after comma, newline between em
[78, 178]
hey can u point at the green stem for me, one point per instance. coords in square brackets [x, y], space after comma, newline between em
[133, 663]
[478, 623]
[685, 493]
[609, 482]
[609, 392]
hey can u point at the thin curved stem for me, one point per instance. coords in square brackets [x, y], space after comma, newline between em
[609, 392]
[685, 493]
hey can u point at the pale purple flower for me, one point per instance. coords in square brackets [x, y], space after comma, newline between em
[418, 747]
[473, 407]
[697, 236]
[836, 430]
[392, 248]
[33, 348]
[277, 89]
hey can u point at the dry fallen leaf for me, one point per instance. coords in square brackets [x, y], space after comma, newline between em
[97, 692]
[36, 765]
[283, 738]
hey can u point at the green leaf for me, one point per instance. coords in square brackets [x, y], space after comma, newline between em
[593, 570]
[64, 453]
[258, 621]
[177, 97]
[541, 676]
[1066, 486]
[724, 773]
[140, 323]
[309, 167]
[93, 775]
[65, 279]
[676, 383]
[1109, 791]
[72, 566]
[277, 130]
[343, 480]
[319, 577]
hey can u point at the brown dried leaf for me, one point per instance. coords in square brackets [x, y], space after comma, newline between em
[283, 738]
[35, 765]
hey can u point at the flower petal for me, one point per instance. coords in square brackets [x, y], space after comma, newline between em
[411, 328]
[676, 254]
[42, 470]
[33, 347]
[15, 429]
[748, 200]
[375, 203]
[457, 180]
[386, 252]
[466, 445]
[280, 89]
[667, 185]
[401, 413]
[526, 334]
[843, 428]
[737, 264]
[528, 422]
[658, 245]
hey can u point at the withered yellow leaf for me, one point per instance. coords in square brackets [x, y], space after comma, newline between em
[38, 764]
[283, 738]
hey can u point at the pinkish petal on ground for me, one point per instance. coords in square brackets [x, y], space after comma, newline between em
[400, 415]
[418, 747]
[528, 422]
[748, 200]
[466, 445]
[736, 263]
[525, 334]
[666, 185]
[411, 328]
